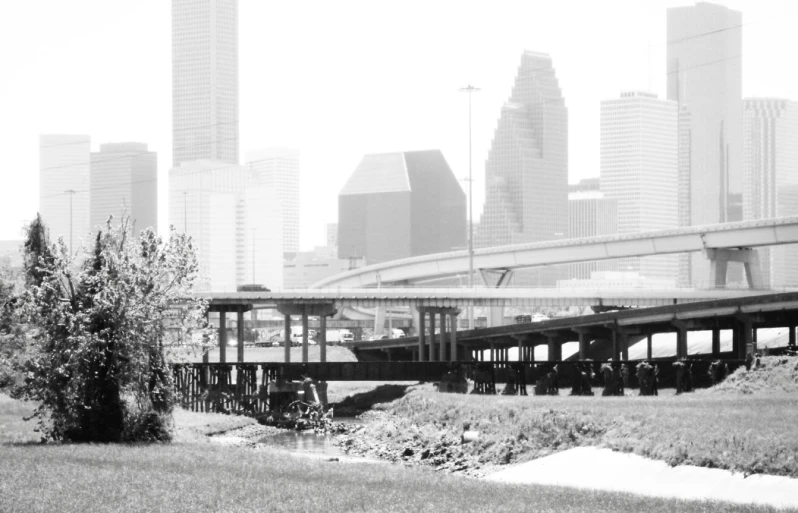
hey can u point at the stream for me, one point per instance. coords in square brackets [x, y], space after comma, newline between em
[307, 442]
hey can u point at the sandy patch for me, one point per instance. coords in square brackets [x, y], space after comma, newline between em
[604, 469]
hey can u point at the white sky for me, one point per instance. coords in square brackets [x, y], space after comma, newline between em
[340, 79]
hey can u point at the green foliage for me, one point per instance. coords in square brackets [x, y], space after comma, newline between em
[12, 336]
[99, 365]
[37, 253]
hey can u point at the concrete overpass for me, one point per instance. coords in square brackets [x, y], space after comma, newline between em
[433, 305]
[721, 243]
[743, 315]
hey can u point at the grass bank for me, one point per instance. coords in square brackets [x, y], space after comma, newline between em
[726, 428]
[194, 475]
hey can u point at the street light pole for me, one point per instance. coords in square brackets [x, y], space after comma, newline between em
[470, 89]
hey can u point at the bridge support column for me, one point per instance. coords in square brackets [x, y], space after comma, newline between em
[322, 338]
[240, 346]
[748, 339]
[681, 339]
[433, 356]
[616, 354]
[719, 262]
[422, 332]
[624, 346]
[442, 339]
[754, 340]
[742, 341]
[492, 352]
[287, 338]
[649, 345]
[555, 349]
[304, 334]
[791, 342]
[453, 338]
[584, 343]
[222, 337]
[715, 342]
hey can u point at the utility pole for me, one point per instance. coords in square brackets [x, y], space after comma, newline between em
[71, 193]
[470, 89]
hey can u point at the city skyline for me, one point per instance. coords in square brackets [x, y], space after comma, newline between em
[469, 64]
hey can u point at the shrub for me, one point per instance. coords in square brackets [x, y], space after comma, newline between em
[98, 366]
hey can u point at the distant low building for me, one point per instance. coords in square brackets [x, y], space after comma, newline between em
[591, 214]
[307, 268]
[613, 280]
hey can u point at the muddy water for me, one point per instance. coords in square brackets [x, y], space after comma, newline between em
[306, 442]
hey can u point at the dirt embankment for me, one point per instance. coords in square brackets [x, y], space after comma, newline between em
[466, 435]
[745, 424]
[770, 374]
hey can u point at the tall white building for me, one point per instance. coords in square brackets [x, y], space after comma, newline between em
[704, 75]
[64, 186]
[124, 181]
[223, 209]
[639, 169]
[205, 80]
[279, 169]
[770, 177]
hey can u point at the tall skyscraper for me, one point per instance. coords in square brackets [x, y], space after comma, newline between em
[279, 169]
[204, 80]
[704, 76]
[124, 181]
[398, 205]
[64, 186]
[770, 177]
[639, 169]
[526, 173]
[233, 221]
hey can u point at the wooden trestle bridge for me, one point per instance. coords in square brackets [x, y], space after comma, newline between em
[254, 388]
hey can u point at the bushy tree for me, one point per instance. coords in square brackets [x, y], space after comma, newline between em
[36, 252]
[99, 364]
[12, 336]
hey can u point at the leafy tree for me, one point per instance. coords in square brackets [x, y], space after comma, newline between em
[101, 353]
[12, 336]
[37, 253]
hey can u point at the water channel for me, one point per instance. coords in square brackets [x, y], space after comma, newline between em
[307, 442]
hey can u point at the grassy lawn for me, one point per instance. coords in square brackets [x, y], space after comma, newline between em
[745, 426]
[194, 475]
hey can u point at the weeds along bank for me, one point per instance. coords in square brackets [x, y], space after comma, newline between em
[751, 432]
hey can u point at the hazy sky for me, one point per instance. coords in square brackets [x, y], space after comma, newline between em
[339, 79]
